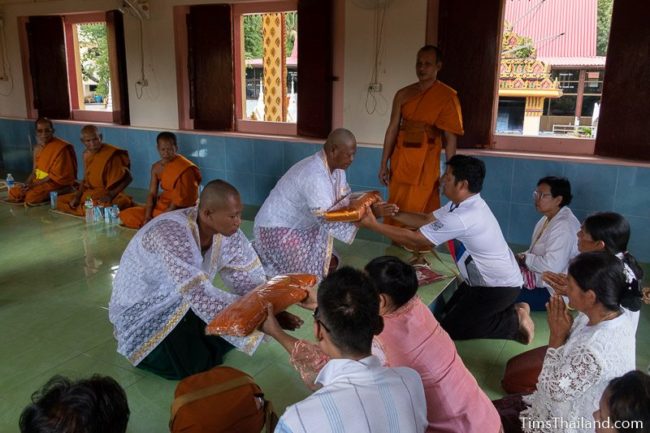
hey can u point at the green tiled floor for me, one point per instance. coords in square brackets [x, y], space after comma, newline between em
[55, 283]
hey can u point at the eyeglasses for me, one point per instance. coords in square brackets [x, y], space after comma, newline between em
[317, 319]
[540, 195]
[44, 130]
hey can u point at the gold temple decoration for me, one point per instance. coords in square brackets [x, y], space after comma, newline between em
[275, 67]
[522, 74]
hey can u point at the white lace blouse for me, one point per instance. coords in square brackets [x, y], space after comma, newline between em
[575, 375]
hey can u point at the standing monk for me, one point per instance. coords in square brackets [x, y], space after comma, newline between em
[106, 175]
[422, 113]
[55, 167]
[179, 179]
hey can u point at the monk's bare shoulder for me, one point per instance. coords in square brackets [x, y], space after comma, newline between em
[157, 169]
[406, 93]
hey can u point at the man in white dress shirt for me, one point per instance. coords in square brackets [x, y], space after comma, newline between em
[290, 234]
[484, 304]
[357, 394]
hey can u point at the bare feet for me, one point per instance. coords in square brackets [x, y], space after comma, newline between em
[526, 325]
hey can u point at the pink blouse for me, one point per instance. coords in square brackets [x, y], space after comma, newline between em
[413, 338]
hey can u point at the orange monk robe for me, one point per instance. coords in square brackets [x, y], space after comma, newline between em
[55, 160]
[415, 162]
[102, 172]
[179, 182]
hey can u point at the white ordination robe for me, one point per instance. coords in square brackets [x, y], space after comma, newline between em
[162, 275]
[291, 235]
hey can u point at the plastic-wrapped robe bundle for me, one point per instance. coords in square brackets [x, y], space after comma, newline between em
[352, 207]
[247, 314]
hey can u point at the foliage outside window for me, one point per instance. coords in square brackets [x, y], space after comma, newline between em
[94, 65]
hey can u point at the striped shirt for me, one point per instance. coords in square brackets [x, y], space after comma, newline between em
[360, 396]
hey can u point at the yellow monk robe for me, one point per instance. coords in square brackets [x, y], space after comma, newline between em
[415, 162]
[102, 171]
[55, 160]
[179, 182]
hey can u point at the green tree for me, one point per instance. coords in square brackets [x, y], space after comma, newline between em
[291, 25]
[253, 45]
[604, 22]
[93, 48]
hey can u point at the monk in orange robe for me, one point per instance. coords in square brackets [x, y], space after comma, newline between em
[55, 168]
[106, 175]
[425, 115]
[177, 176]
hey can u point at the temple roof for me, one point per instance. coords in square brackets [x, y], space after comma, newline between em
[543, 20]
[596, 61]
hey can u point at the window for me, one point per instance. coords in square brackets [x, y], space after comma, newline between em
[262, 34]
[76, 67]
[266, 67]
[553, 53]
[91, 73]
[223, 83]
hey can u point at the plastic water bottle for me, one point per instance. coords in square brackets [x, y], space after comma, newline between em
[90, 213]
[115, 214]
[10, 180]
[107, 215]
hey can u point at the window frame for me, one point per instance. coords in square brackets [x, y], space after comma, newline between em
[241, 124]
[76, 114]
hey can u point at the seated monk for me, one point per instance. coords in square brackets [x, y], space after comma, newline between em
[55, 168]
[179, 179]
[106, 175]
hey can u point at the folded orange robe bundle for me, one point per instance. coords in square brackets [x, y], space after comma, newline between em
[352, 207]
[247, 314]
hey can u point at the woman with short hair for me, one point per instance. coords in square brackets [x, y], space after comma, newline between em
[552, 243]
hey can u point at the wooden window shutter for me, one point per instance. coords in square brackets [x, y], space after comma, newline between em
[314, 68]
[469, 35]
[47, 64]
[211, 69]
[622, 127]
[117, 56]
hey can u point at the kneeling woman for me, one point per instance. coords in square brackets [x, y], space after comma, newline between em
[586, 353]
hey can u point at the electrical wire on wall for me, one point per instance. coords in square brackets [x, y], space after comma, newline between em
[133, 9]
[375, 100]
[142, 82]
[5, 69]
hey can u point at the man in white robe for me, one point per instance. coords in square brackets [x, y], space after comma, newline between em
[163, 293]
[290, 233]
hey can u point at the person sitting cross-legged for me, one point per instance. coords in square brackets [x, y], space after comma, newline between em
[106, 174]
[178, 177]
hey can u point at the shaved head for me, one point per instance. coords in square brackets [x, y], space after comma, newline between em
[215, 195]
[90, 129]
[338, 137]
[340, 149]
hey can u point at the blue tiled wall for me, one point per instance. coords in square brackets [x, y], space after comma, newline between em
[254, 165]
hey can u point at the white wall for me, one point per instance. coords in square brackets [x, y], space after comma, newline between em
[404, 33]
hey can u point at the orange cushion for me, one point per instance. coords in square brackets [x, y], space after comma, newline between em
[352, 207]
[247, 313]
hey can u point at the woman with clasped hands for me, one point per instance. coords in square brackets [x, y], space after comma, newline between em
[584, 353]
